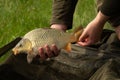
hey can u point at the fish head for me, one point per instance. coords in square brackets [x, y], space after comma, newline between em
[24, 46]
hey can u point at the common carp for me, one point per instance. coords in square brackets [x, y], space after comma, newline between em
[36, 38]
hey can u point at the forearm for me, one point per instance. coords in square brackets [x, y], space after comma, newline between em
[100, 19]
[62, 12]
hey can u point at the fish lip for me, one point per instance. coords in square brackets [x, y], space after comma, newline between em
[15, 52]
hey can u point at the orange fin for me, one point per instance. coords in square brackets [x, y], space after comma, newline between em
[72, 39]
[68, 47]
[77, 32]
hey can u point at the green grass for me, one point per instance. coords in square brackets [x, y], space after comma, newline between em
[85, 12]
[17, 17]
[20, 16]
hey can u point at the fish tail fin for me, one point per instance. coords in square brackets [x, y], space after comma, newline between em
[77, 33]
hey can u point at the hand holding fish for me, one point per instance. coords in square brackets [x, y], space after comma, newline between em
[51, 51]
[34, 42]
[48, 52]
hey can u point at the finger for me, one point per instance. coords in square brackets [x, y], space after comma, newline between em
[48, 51]
[87, 42]
[83, 38]
[83, 43]
[42, 54]
[55, 50]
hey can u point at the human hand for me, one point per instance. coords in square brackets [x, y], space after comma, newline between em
[59, 27]
[90, 35]
[92, 32]
[48, 51]
[51, 51]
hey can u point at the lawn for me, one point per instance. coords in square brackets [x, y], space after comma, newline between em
[17, 17]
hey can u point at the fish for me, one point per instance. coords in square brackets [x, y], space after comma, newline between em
[36, 38]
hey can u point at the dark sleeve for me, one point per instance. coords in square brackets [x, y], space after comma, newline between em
[110, 7]
[62, 12]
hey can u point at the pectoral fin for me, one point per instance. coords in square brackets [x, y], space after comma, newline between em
[30, 58]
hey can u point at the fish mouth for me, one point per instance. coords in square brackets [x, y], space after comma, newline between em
[15, 51]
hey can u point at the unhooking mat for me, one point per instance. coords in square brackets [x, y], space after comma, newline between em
[96, 62]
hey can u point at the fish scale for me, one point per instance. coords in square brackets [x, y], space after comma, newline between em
[40, 37]
[45, 37]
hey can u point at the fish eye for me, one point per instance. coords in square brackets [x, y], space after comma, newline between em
[20, 45]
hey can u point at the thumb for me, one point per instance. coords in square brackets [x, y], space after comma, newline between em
[83, 37]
